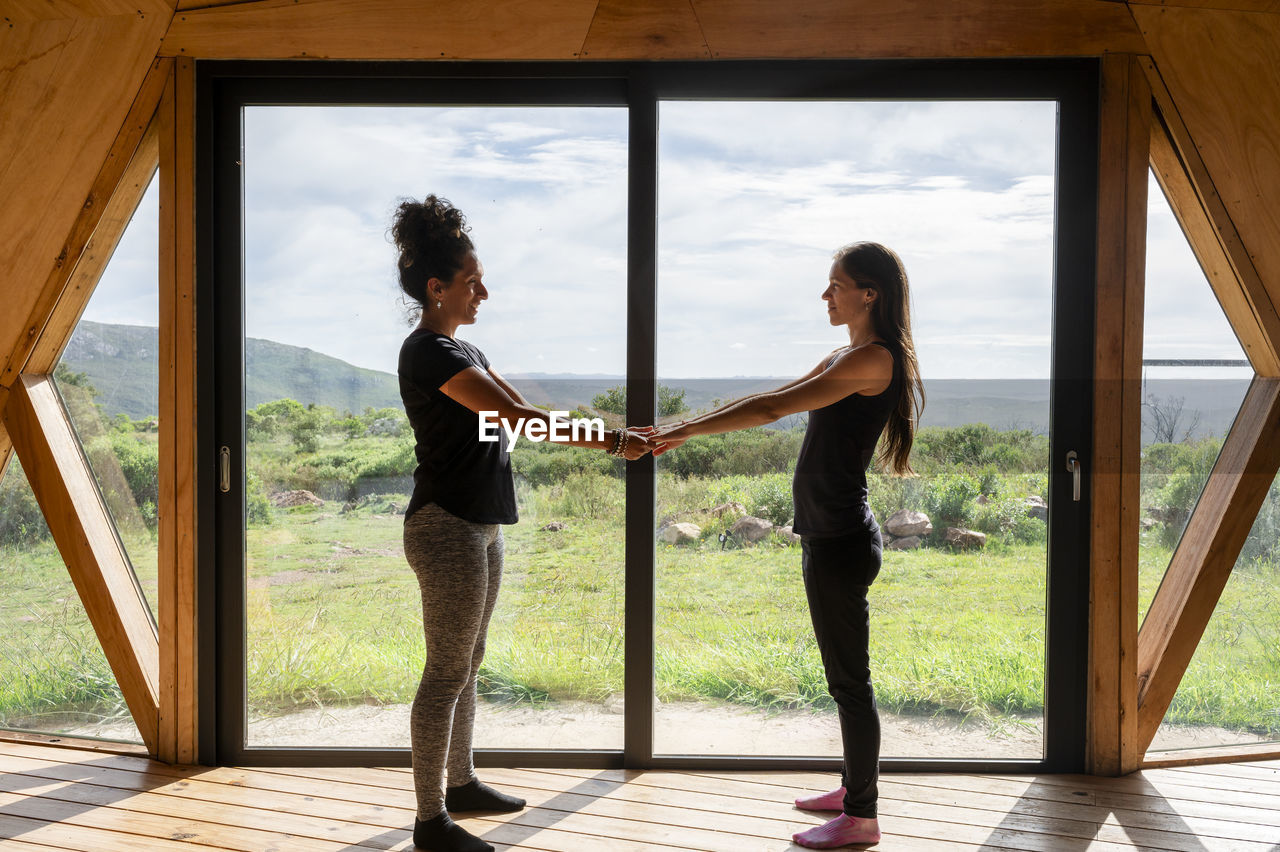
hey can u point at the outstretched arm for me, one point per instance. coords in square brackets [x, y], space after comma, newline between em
[864, 369]
[478, 391]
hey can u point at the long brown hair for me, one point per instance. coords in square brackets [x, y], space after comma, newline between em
[878, 267]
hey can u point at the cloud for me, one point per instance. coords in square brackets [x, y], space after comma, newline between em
[753, 198]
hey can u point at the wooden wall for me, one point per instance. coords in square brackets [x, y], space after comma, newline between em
[80, 80]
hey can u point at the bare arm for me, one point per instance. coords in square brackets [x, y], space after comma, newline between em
[863, 369]
[479, 392]
[750, 398]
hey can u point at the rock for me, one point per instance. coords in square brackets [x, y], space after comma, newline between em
[737, 510]
[905, 523]
[1148, 523]
[288, 499]
[910, 542]
[982, 500]
[963, 538]
[751, 529]
[385, 426]
[1036, 507]
[787, 535]
[680, 533]
[554, 526]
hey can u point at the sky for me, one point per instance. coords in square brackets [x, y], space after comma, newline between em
[753, 199]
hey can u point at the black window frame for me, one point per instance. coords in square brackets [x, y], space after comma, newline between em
[224, 87]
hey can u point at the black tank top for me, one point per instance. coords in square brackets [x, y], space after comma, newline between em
[830, 483]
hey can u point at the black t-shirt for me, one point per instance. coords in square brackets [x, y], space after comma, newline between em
[457, 471]
[830, 483]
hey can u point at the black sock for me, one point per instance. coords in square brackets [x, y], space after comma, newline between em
[479, 796]
[441, 834]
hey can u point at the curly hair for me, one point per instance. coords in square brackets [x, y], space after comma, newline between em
[432, 238]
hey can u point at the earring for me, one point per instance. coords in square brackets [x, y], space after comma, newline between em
[437, 303]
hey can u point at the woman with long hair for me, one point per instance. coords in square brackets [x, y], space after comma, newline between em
[462, 494]
[856, 393]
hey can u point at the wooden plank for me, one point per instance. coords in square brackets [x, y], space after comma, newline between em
[556, 29]
[6, 445]
[69, 86]
[192, 5]
[64, 836]
[81, 526]
[60, 741]
[1212, 235]
[1113, 469]
[389, 29]
[1220, 70]
[26, 11]
[656, 29]
[1272, 6]
[916, 28]
[1207, 552]
[179, 701]
[1207, 756]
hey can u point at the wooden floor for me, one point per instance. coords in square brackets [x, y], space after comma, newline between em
[55, 798]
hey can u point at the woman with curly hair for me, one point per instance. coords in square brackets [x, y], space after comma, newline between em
[854, 394]
[462, 494]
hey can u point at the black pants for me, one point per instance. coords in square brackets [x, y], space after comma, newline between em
[837, 573]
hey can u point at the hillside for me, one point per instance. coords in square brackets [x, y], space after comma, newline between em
[121, 362]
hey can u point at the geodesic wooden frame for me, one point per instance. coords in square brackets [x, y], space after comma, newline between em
[1189, 86]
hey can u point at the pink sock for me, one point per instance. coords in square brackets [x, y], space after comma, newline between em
[842, 831]
[833, 801]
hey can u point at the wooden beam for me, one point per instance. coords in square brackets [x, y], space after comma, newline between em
[1114, 481]
[103, 218]
[1272, 6]
[658, 29]
[81, 526]
[916, 28]
[1211, 233]
[388, 29]
[1207, 553]
[67, 87]
[6, 445]
[557, 29]
[26, 11]
[179, 705]
[1223, 105]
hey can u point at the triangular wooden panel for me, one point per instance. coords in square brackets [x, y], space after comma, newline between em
[68, 87]
[1220, 68]
[656, 29]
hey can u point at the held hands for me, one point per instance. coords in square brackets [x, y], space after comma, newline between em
[632, 443]
[664, 438]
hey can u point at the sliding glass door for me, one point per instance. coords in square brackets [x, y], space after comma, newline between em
[648, 227]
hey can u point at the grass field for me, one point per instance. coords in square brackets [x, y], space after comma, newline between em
[334, 618]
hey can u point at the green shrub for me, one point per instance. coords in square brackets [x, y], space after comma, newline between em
[21, 521]
[950, 499]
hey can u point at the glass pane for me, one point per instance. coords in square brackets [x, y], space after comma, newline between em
[335, 647]
[54, 677]
[755, 197]
[1188, 407]
[108, 377]
[1228, 694]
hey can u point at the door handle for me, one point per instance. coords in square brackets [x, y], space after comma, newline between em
[1073, 467]
[224, 469]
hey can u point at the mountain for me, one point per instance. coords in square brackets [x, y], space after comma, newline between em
[121, 362]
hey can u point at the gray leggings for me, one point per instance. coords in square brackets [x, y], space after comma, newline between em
[459, 568]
